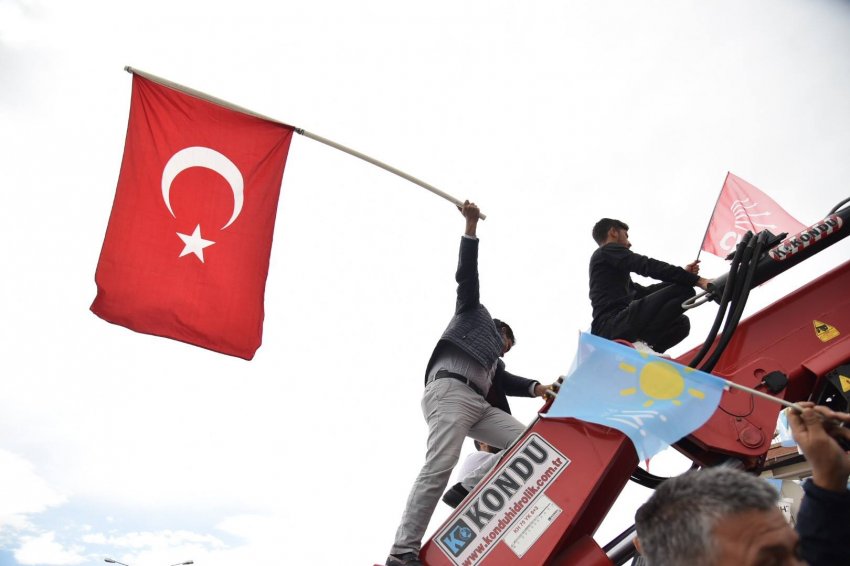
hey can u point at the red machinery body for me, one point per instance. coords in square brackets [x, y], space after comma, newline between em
[543, 502]
[803, 335]
[554, 487]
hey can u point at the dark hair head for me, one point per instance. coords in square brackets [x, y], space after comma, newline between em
[500, 326]
[600, 230]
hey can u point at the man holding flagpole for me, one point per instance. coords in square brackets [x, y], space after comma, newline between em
[652, 317]
[464, 367]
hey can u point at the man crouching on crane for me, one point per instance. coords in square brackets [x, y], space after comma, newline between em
[651, 317]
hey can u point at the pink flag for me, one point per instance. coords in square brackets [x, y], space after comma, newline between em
[743, 207]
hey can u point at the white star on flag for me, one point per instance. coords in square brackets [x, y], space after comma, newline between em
[194, 243]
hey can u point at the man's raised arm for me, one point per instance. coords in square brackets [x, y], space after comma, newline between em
[468, 295]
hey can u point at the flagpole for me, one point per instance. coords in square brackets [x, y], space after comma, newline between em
[201, 95]
[300, 131]
[713, 210]
[763, 395]
[382, 165]
[758, 393]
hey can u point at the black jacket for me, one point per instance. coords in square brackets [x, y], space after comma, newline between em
[611, 286]
[823, 523]
[473, 331]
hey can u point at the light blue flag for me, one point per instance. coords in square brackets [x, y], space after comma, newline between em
[653, 400]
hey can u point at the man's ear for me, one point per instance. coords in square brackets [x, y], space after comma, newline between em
[613, 233]
[636, 542]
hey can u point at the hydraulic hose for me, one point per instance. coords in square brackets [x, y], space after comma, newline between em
[622, 548]
[646, 479]
[838, 206]
[724, 301]
[735, 285]
[740, 302]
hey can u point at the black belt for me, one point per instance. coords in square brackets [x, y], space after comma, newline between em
[443, 374]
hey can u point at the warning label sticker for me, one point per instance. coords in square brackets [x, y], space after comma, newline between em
[534, 523]
[825, 332]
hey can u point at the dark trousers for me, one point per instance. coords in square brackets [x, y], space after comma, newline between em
[657, 319]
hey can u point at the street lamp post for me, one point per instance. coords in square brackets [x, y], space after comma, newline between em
[111, 561]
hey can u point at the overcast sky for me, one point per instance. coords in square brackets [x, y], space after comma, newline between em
[549, 115]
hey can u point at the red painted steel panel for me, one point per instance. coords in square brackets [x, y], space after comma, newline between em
[783, 337]
[596, 462]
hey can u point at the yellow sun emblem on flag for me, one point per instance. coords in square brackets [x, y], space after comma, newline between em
[659, 381]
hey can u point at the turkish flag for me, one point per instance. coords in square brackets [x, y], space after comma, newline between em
[743, 207]
[186, 251]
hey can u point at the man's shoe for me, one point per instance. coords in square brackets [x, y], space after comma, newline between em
[645, 348]
[454, 495]
[406, 559]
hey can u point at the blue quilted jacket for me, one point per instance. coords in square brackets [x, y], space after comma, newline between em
[472, 330]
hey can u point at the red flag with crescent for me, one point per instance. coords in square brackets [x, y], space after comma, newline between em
[187, 247]
[741, 207]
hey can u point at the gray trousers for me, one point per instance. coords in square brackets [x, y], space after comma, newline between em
[453, 411]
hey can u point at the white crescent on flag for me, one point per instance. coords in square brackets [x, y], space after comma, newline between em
[198, 156]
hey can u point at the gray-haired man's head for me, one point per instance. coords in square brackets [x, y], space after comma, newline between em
[712, 517]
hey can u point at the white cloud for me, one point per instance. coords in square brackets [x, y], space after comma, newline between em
[249, 526]
[96, 538]
[23, 491]
[154, 540]
[44, 550]
[156, 547]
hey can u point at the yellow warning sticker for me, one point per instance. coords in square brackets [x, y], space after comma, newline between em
[845, 383]
[825, 332]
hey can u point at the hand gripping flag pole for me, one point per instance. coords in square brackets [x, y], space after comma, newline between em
[457, 202]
